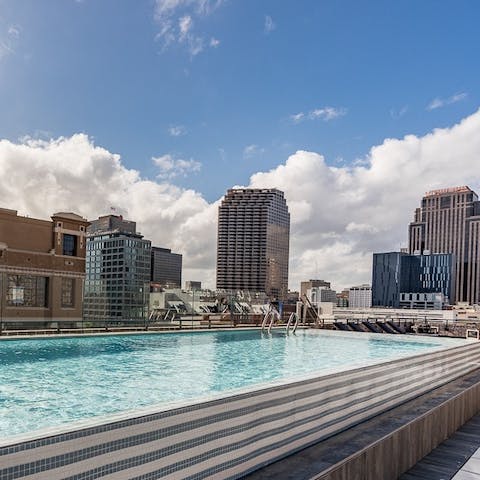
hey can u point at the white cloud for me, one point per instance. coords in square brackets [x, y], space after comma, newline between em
[177, 130]
[340, 214]
[9, 39]
[252, 150]
[269, 25]
[297, 117]
[398, 113]
[13, 31]
[171, 167]
[442, 102]
[41, 177]
[185, 24]
[5, 49]
[325, 113]
[175, 19]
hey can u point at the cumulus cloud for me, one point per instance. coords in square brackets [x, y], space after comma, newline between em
[40, 177]
[325, 113]
[175, 19]
[171, 167]
[340, 214]
[269, 25]
[177, 130]
[442, 102]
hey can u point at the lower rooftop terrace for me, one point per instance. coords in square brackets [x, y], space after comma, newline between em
[367, 323]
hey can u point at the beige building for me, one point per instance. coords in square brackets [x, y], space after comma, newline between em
[448, 221]
[42, 268]
[308, 284]
[253, 242]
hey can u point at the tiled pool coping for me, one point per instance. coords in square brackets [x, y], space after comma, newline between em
[227, 436]
[395, 442]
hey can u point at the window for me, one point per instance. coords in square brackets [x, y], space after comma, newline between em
[27, 291]
[68, 291]
[69, 245]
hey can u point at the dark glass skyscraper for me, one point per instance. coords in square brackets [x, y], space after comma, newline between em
[253, 241]
[117, 271]
[166, 267]
[397, 272]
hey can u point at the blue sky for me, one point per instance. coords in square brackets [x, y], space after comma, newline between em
[359, 72]
[157, 107]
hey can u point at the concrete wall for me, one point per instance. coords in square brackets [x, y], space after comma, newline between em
[227, 437]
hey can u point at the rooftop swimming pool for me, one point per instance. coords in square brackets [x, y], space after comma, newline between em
[54, 381]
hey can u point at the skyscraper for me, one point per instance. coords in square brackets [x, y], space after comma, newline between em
[253, 241]
[117, 271]
[166, 267]
[448, 221]
[397, 273]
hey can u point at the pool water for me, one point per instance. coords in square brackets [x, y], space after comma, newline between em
[53, 381]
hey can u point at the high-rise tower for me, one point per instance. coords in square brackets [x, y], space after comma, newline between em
[448, 221]
[253, 241]
[117, 271]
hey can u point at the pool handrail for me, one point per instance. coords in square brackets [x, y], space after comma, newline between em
[293, 317]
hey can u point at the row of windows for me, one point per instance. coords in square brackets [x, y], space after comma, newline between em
[121, 243]
[32, 291]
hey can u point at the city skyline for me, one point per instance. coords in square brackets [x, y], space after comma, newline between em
[156, 108]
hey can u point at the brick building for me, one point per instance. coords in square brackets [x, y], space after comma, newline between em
[42, 268]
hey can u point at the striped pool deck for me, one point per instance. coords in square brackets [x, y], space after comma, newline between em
[442, 463]
[457, 458]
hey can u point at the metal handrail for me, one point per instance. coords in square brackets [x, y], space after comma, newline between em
[293, 316]
[265, 318]
[271, 314]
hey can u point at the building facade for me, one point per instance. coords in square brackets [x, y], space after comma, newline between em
[42, 268]
[430, 301]
[396, 273]
[448, 221]
[304, 286]
[253, 242]
[321, 294]
[118, 263]
[360, 296]
[342, 298]
[166, 268]
[193, 285]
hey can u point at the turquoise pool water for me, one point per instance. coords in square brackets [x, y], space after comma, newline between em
[53, 381]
